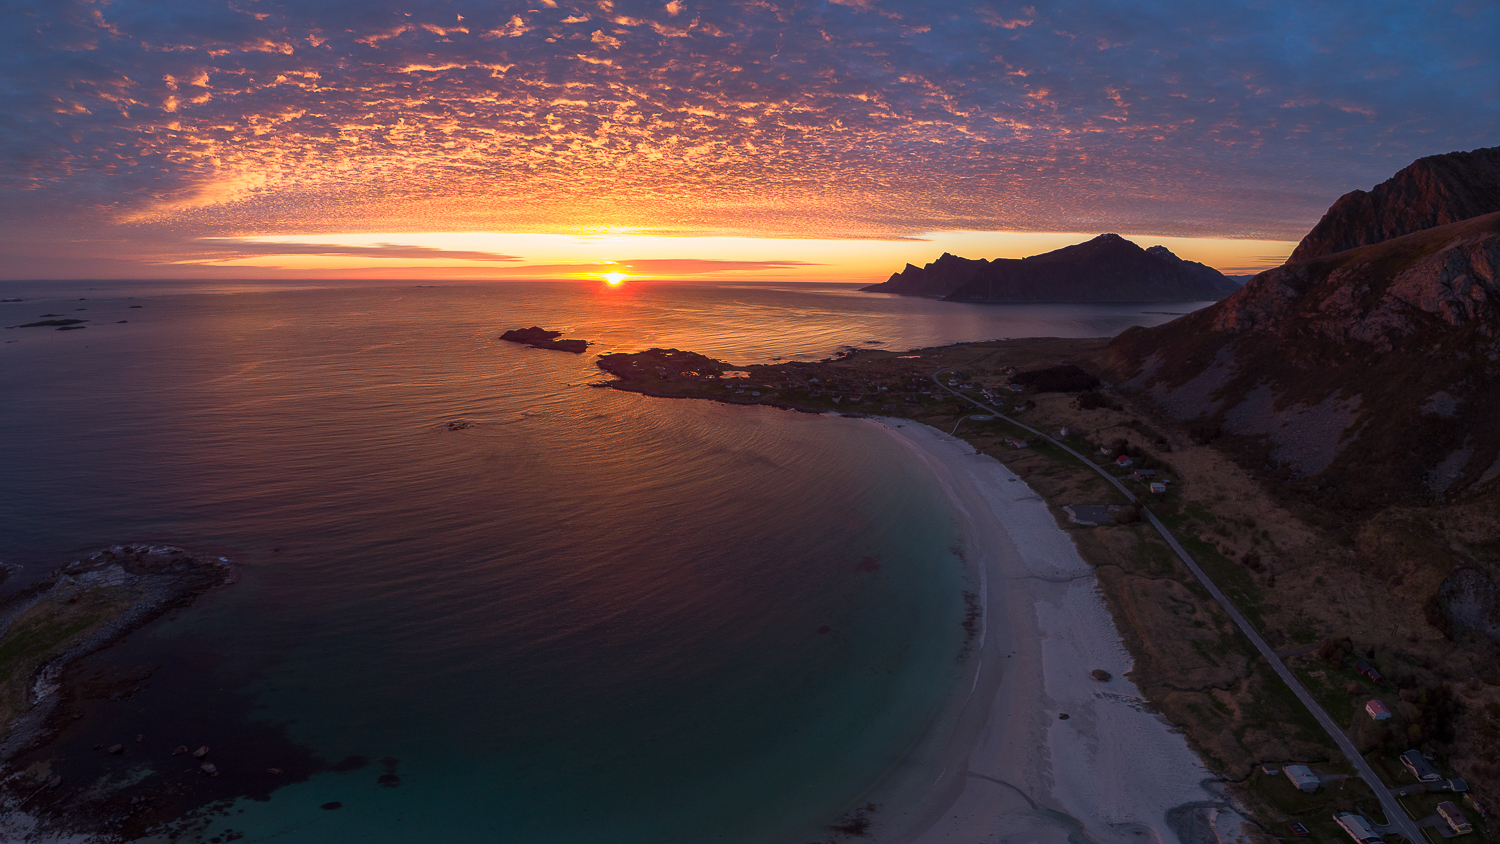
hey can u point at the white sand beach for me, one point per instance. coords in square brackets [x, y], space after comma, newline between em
[1003, 765]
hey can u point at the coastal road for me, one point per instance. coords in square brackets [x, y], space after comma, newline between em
[1396, 817]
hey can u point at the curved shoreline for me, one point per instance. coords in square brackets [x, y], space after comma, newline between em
[1000, 762]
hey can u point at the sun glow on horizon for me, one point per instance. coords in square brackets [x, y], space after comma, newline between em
[617, 258]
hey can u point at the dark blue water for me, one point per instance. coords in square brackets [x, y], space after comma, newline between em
[593, 617]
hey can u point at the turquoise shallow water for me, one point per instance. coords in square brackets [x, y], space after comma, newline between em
[593, 617]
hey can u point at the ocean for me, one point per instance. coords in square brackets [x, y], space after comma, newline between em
[591, 616]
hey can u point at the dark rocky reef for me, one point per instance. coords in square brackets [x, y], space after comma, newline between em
[49, 323]
[1108, 268]
[1432, 191]
[541, 338]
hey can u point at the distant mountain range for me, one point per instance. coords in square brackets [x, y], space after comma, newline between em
[1108, 268]
[1367, 373]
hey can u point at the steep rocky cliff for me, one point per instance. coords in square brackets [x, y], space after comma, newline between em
[937, 279]
[1367, 376]
[1108, 268]
[1432, 191]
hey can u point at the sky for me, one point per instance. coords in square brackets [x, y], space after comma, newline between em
[727, 140]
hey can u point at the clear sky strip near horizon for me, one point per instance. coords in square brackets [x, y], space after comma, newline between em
[194, 139]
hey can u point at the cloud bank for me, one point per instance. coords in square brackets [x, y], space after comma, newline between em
[869, 118]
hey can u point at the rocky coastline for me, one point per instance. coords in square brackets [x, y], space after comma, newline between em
[45, 630]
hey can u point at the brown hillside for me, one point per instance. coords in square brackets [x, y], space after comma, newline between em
[1362, 379]
[1432, 191]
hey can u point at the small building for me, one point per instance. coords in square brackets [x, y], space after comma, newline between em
[1477, 806]
[1298, 830]
[1420, 767]
[1158, 488]
[1455, 818]
[1365, 668]
[1104, 449]
[1144, 474]
[1458, 786]
[1270, 770]
[1302, 777]
[1358, 828]
[1015, 443]
[1378, 711]
[1124, 461]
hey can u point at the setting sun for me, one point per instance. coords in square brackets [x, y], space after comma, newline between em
[614, 279]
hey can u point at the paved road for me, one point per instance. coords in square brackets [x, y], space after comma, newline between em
[1396, 817]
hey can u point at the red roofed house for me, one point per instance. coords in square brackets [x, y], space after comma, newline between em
[1124, 461]
[1378, 711]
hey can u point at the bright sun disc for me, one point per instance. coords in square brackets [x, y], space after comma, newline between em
[614, 279]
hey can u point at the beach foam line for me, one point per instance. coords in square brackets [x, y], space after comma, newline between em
[1012, 768]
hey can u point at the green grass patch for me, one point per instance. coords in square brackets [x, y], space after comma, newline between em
[1316, 810]
[1156, 559]
[40, 634]
[1326, 684]
[1198, 510]
[1271, 702]
[1237, 583]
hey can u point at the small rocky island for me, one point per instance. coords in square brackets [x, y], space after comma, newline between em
[541, 338]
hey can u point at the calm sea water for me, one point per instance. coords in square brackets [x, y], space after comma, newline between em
[593, 617]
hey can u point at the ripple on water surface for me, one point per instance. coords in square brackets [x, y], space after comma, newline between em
[590, 614]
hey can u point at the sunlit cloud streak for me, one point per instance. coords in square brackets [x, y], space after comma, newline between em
[172, 119]
[234, 248]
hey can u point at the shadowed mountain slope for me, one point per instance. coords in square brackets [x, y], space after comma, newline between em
[1432, 191]
[1108, 268]
[1368, 376]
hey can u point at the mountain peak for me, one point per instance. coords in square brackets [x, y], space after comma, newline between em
[1106, 268]
[1429, 192]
